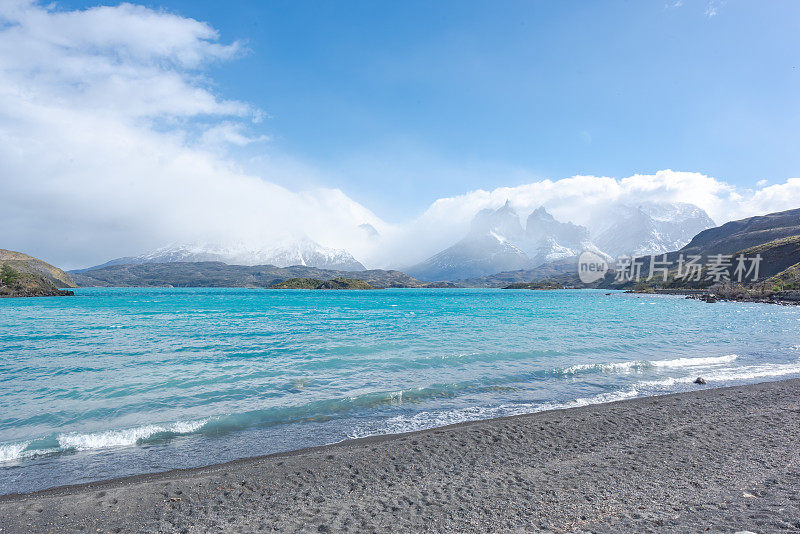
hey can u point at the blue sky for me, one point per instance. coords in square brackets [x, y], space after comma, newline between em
[131, 126]
[406, 102]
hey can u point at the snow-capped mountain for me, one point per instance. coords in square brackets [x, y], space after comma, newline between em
[297, 252]
[651, 228]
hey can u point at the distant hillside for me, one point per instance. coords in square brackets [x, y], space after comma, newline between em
[313, 283]
[563, 271]
[739, 235]
[775, 237]
[22, 275]
[217, 274]
[786, 280]
[535, 286]
[28, 264]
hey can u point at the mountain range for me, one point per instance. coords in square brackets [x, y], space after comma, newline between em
[218, 274]
[776, 237]
[498, 243]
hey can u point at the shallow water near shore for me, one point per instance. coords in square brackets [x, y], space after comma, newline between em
[122, 381]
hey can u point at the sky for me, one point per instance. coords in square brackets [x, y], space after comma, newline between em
[127, 126]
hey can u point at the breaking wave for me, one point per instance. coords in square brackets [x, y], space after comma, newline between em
[627, 367]
[76, 441]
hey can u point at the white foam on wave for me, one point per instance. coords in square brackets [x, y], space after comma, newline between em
[431, 419]
[12, 451]
[695, 362]
[109, 438]
[127, 437]
[617, 367]
[124, 437]
[731, 374]
[637, 365]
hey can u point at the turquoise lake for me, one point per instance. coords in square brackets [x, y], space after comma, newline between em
[121, 381]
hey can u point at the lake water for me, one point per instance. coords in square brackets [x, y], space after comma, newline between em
[120, 381]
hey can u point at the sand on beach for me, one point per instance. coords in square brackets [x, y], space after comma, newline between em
[713, 460]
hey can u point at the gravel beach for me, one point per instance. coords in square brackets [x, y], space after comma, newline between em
[712, 460]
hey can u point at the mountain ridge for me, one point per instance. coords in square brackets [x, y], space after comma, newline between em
[218, 274]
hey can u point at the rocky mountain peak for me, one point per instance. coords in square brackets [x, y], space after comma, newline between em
[501, 223]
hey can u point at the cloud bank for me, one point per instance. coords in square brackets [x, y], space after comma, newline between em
[113, 142]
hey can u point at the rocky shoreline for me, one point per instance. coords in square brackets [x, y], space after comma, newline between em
[10, 293]
[783, 298]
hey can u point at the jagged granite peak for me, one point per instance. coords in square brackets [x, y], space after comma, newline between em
[471, 257]
[303, 251]
[497, 242]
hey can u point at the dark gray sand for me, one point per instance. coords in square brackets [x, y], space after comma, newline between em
[715, 460]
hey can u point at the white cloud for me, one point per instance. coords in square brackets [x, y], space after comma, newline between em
[713, 7]
[229, 133]
[112, 142]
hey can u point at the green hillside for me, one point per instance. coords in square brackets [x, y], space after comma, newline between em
[25, 264]
[313, 283]
[16, 283]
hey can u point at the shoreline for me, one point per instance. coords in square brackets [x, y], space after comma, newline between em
[729, 454]
[781, 298]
